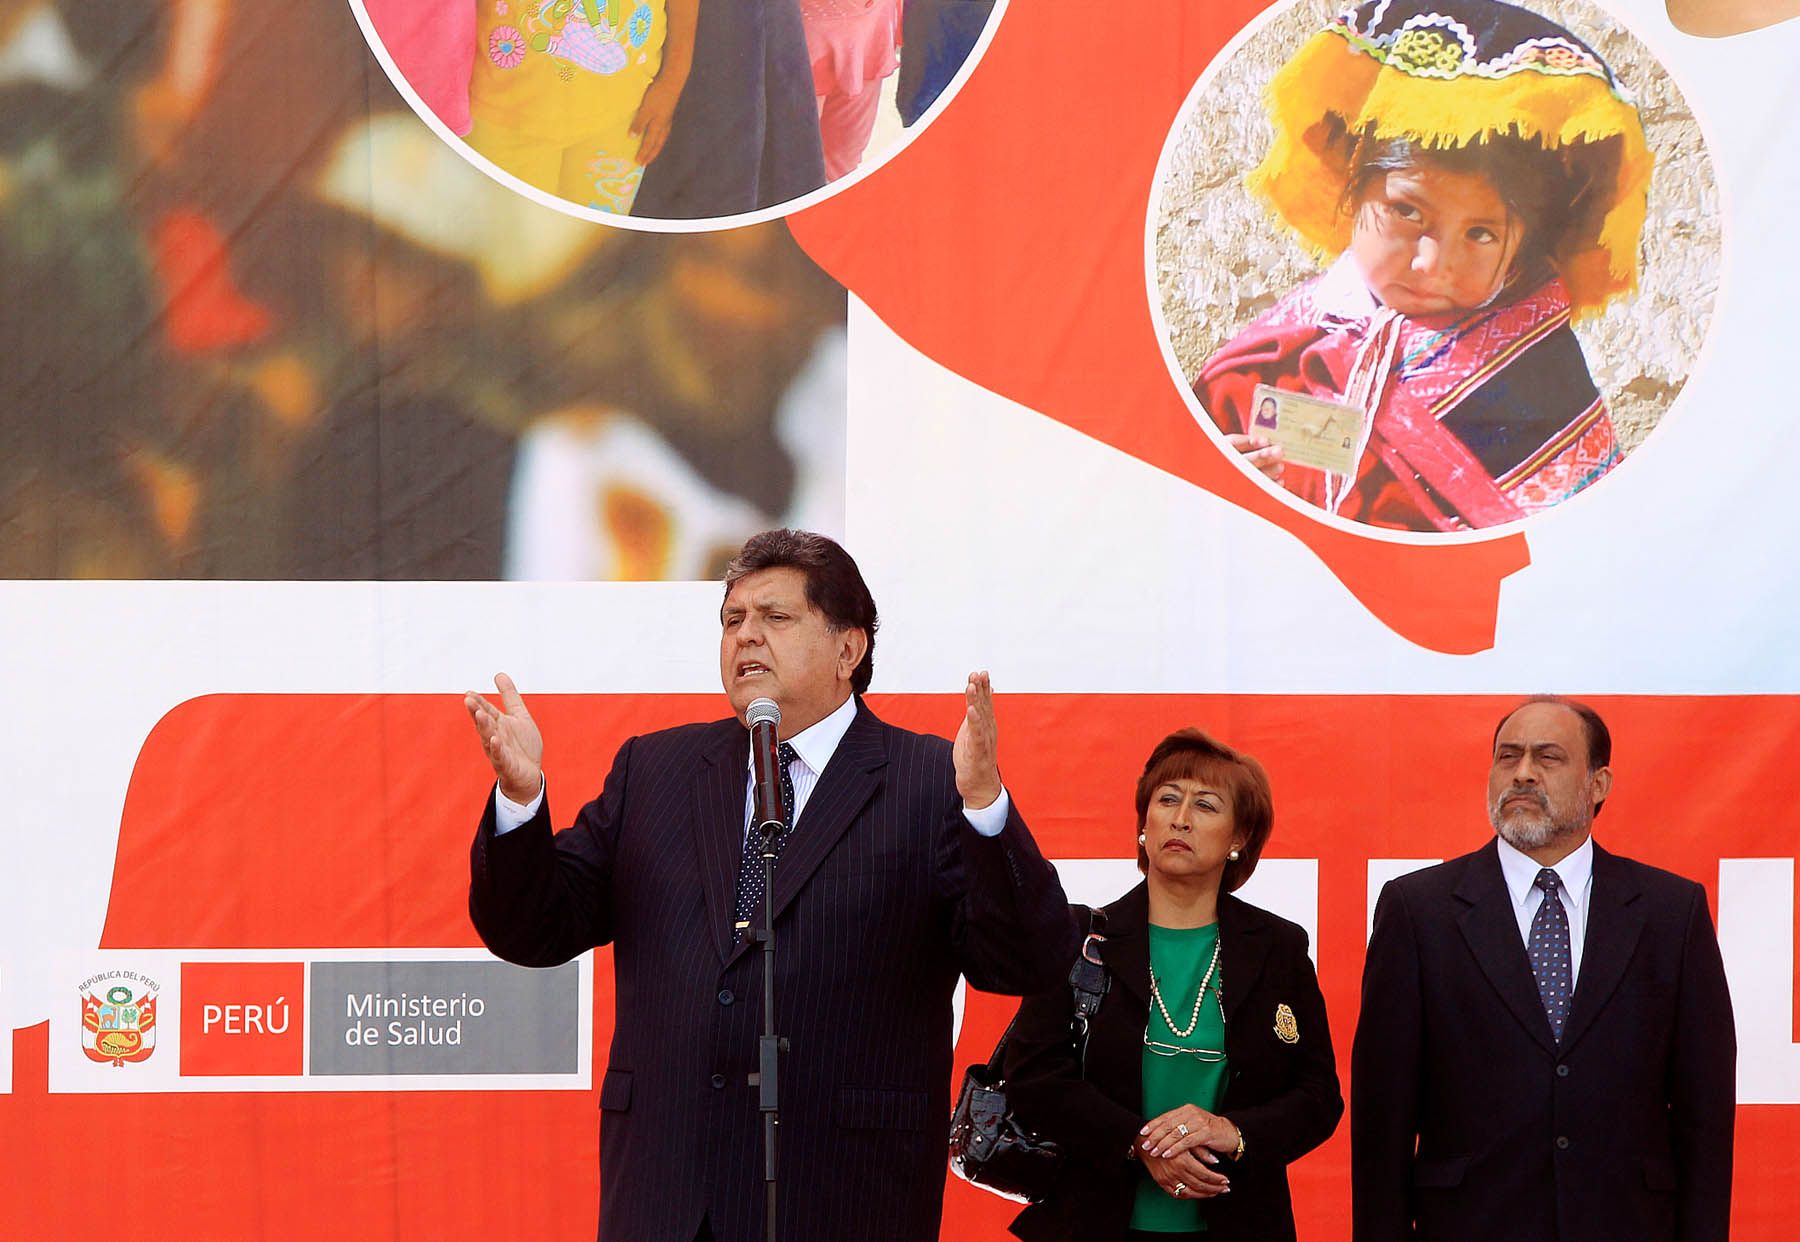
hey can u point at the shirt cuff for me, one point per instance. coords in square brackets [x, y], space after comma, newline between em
[990, 819]
[509, 814]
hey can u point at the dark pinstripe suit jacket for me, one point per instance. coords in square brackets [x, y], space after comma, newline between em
[883, 894]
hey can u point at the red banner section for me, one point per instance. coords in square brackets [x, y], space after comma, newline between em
[269, 822]
[1007, 243]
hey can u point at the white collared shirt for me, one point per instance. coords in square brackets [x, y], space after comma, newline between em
[814, 746]
[1575, 874]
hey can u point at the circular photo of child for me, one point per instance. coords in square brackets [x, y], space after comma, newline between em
[675, 110]
[1434, 265]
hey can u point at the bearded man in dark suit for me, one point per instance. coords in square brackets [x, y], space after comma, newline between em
[906, 864]
[1546, 1050]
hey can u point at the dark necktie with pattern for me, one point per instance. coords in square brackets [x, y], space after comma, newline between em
[750, 866]
[1550, 952]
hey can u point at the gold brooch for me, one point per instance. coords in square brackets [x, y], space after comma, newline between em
[1286, 1029]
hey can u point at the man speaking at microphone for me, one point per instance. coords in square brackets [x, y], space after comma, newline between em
[904, 864]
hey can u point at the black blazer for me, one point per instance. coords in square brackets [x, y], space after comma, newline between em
[1283, 1096]
[1469, 1122]
[883, 895]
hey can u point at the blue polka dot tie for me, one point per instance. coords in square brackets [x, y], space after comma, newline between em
[1550, 952]
[750, 866]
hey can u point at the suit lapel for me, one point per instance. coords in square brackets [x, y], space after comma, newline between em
[719, 828]
[1492, 932]
[1243, 949]
[849, 780]
[1615, 918]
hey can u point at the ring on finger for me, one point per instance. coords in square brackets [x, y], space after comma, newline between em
[1180, 1189]
[1181, 1128]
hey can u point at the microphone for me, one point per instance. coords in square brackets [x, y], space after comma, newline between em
[767, 814]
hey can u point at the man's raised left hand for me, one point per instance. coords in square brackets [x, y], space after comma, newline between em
[977, 746]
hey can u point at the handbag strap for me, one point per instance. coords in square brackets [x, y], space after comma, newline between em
[1088, 982]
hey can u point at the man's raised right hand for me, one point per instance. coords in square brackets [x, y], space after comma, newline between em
[511, 740]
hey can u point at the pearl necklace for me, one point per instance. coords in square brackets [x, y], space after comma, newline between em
[1194, 1021]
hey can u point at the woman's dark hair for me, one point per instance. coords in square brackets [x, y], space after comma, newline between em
[834, 585]
[1190, 755]
[1555, 195]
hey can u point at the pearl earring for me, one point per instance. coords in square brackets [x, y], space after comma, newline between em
[1233, 856]
[1140, 838]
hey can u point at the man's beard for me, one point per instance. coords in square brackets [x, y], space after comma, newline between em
[1532, 829]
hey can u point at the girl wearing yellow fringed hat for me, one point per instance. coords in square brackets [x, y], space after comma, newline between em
[1480, 176]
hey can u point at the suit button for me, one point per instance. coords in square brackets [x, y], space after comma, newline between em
[1562, 1142]
[718, 1081]
[1562, 1071]
[725, 996]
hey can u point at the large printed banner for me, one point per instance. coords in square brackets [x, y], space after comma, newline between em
[1326, 377]
[242, 913]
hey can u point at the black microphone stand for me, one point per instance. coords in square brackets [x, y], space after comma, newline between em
[767, 1078]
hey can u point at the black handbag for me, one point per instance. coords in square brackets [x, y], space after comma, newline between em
[988, 1146]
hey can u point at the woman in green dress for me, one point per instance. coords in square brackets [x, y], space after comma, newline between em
[1208, 1067]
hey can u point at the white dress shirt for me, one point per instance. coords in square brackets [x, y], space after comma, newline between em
[814, 746]
[1575, 874]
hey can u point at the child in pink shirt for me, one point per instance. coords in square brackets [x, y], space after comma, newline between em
[854, 45]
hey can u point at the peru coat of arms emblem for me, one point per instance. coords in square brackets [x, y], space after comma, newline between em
[118, 1018]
